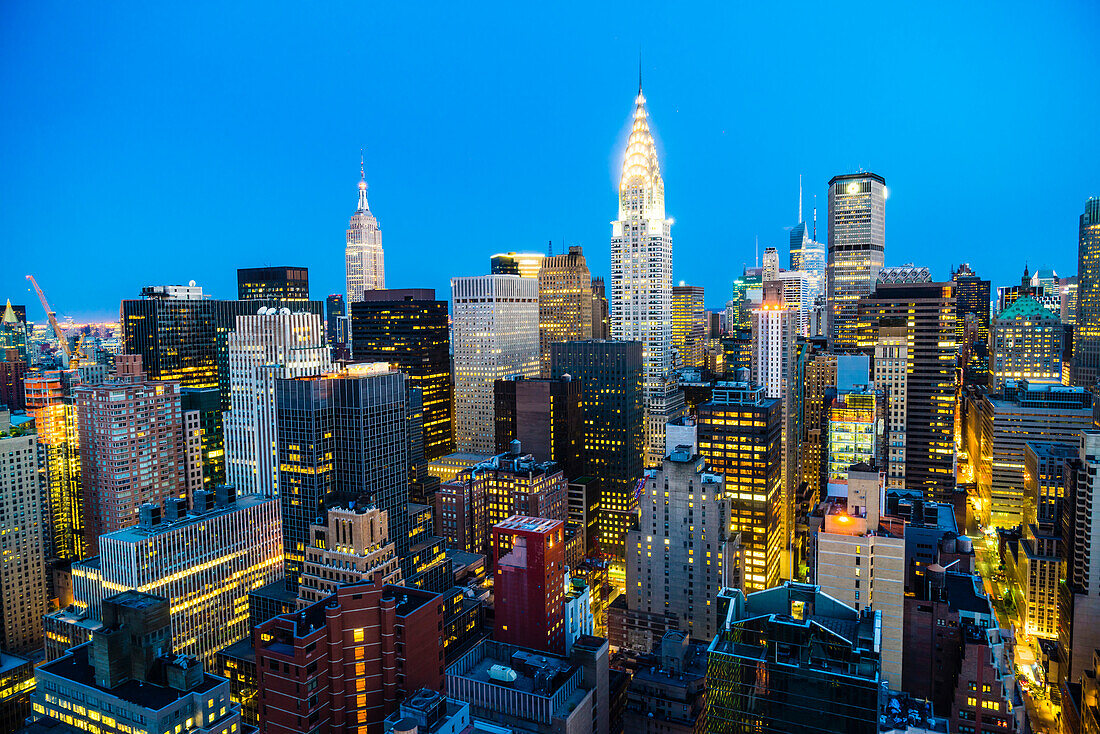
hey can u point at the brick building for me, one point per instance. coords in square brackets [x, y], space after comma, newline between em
[529, 582]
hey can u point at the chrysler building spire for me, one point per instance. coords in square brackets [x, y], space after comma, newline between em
[363, 257]
[641, 277]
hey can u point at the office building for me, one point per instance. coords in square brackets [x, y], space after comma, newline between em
[861, 560]
[1005, 422]
[528, 582]
[601, 316]
[130, 679]
[857, 243]
[336, 322]
[855, 431]
[22, 539]
[285, 282]
[641, 278]
[265, 347]
[739, 435]
[1026, 344]
[409, 329]
[1033, 562]
[819, 375]
[363, 649]
[689, 324]
[1078, 602]
[972, 306]
[50, 401]
[496, 334]
[13, 329]
[1086, 336]
[682, 553]
[172, 329]
[891, 377]
[13, 371]
[546, 416]
[907, 297]
[351, 545]
[523, 264]
[202, 415]
[1068, 307]
[792, 658]
[491, 491]
[565, 303]
[341, 436]
[364, 260]
[611, 377]
[151, 466]
[16, 687]
[809, 256]
[514, 689]
[205, 560]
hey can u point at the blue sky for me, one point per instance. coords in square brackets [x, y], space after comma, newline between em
[163, 142]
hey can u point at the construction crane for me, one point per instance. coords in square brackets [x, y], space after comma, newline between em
[71, 360]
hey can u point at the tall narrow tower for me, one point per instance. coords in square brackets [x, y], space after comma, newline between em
[365, 266]
[641, 278]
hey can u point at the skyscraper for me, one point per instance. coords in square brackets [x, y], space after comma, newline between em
[22, 540]
[150, 465]
[1086, 336]
[689, 324]
[808, 255]
[546, 416]
[523, 264]
[287, 282]
[529, 582]
[906, 296]
[857, 242]
[172, 328]
[336, 321]
[601, 318]
[774, 365]
[264, 347]
[496, 334]
[739, 434]
[1078, 602]
[891, 376]
[365, 268]
[686, 505]
[641, 278]
[341, 436]
[565, 303]
[1027, 344]
[409, 329]
[610, 373]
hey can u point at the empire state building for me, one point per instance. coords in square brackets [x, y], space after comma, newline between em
[364, 263]
[641, 278]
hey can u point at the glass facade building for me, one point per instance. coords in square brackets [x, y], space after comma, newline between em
[1086, 337]
[857, 243]
[291, 283]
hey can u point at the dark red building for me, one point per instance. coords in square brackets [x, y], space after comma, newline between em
[12, 371]
[343, 664]
[529, 582]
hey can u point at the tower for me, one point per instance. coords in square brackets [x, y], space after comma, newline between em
[857, 242]
[641, 278]
[364, 263]
[1086, 344]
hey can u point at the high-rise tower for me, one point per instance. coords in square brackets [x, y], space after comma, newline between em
[641, 278]
[365, 267]
[857, 243]
[1086, 337]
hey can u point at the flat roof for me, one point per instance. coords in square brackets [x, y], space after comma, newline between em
[136, 533]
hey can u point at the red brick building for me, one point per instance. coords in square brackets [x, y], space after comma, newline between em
[133, 448]
[344, 663]
[12, 371]
[529, 582]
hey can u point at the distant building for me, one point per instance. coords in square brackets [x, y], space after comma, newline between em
[857, 243]
[891, 376]
[523, 264]
[565, 303]
[546, 416]
[336, 323]
[22, 540]
[611, 375]
[152, 467]
[172, 329]
[689, 324]
[601, 319]
[410, 330]
[291, 283]
[495, 331]
[13, 371]
[364, 260]
[1026, 344]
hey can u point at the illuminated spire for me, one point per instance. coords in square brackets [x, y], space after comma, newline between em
[362, 185]
[641, 190]
[9, 314]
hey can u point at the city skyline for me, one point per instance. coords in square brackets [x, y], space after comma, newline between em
[258, 187]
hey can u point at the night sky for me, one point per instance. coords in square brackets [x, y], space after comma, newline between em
[158, 143]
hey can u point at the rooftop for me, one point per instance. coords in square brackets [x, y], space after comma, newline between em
[963, 594]
[137, 534]
[74, 667]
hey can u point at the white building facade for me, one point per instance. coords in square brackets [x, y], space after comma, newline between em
[495, 332]
[364, 261]
[641, 278]
[264, 347]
